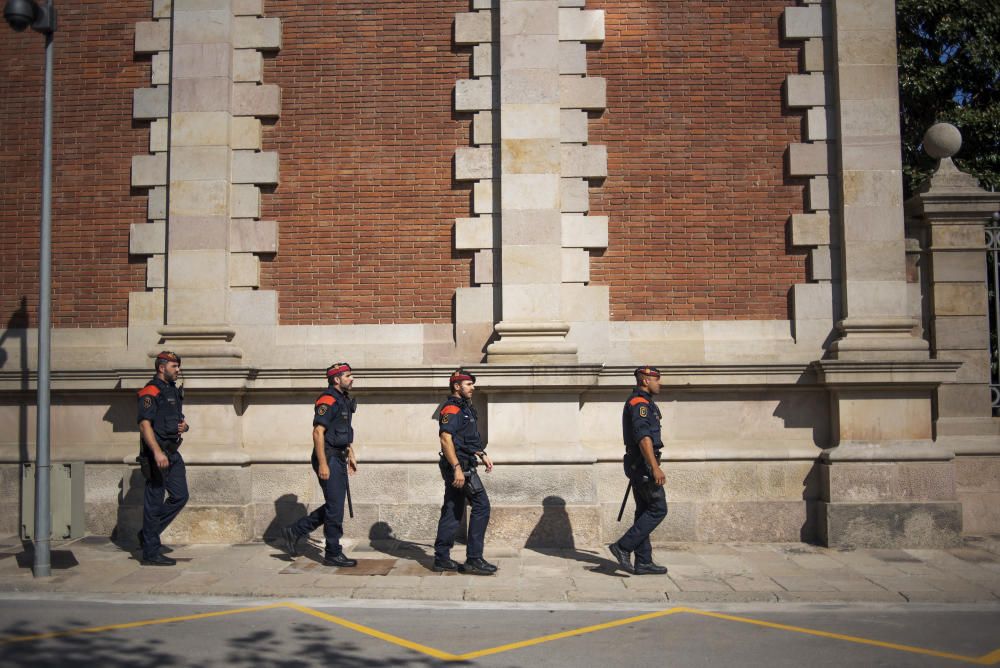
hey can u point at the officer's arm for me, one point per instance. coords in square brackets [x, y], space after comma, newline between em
[148, 437]
[448, 448]
[319, 431]
[646, 448]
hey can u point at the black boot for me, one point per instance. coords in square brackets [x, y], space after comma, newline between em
[158, 560]
[290, 541]
[340, 559]
[478, 566]
[441, 565]
[650, 569]
[623, 558]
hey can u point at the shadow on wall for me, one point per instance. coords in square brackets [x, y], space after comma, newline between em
[554, 535]
[17, 328]
[129, 519]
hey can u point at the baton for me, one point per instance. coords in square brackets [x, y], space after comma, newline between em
[350, 505]
[621, 511]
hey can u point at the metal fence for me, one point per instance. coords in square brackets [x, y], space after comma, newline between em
[993, 286]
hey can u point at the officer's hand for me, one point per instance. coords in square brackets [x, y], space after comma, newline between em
[324, 472]
[487, 462]
[352, 463]
[459, 480]
[182, 427]
[161, 460]
[659, 477]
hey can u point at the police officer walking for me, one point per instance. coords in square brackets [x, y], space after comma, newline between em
[643, 442]
[161, 423]
[332, 460]
[461, 445]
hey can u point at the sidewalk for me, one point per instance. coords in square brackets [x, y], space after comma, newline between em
[699, 573]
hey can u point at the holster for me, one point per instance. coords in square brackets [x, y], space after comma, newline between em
[145, 467]
[473, 484]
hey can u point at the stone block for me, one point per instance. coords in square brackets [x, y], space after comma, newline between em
[536, 86]
[158, 136]
[156, 204]
[888, 481]
[156, 272]
[529, 156]
[860, 119]
[256, 33]
[585, 161]
[474, 233]
[530, 192]
[244, 201]
[411, 521]
[821, 264]
[149, 170]
[589, 93]
[256, 168]
[152, 36]
[253, 236]
[526, 17]
[812, 301]
[531, 302]
[200, 61]
[482, 267]
[211, 524]
[482, 128]
[520, 52]
[573, 126]
[248, 7]
[202, 24]
[473, 163]
[245, 133]
[473, 27]
[867, 17]
[530, 121]
[482, 60]
[150, 103]
[959, 266]
[147, 238]
[584, 231]
[868, 47]
[244, 270]
[474, 94]
[574, 195]
[575, 265]
[972, 400]
[572, 58]
[817, 126]
[810, 229]
[807, 159]
[975, 365]
[555, 526]
[803, 22]
[757, 521]
[200, 163]
[959, 299]
[220, 485]
[814, 55]
[482, 196]
[864, 418]
[961, 333]
[198, 269]
[526, 228]
[198, 232]
[201, 94]
[581, 25]
[250, 99]
[980, 512]
[474, 305]
[162, 9]
[160, 69]
[248, 65]
[806, 90]
[528, 265]
[890, 525]
[198, 198]
[584, 303]
[977, 474]
[818, 193]
[253, 307]
[867, 82]
[145, 308]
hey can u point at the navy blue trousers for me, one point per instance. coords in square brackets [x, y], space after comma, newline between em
[451, 518]
[650, 509]
[157, 513]
[331, 513]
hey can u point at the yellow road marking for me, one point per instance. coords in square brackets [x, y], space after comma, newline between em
[133, 625]
[375, 633]
[566, 634]
[989, 659]
[983, 660]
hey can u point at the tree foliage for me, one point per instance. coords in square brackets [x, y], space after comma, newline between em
[949, 70]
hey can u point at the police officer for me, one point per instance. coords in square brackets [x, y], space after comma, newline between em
[161, 423]
[332, 460]
[460, 448]
[641, 431]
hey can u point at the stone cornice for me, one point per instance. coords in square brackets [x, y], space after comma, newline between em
[847, 373]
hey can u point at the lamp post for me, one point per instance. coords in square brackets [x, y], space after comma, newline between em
[22, 14]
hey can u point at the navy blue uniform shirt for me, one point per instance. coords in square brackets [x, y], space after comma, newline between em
[333, 411]
[458, 417]
[161, 403]
[641, 418]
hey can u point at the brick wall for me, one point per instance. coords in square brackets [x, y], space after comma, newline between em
[696, 135]
[366, 203]
[94, 140]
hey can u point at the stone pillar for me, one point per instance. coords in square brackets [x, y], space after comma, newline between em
[206, 138]
[952, 210]
[876, 323]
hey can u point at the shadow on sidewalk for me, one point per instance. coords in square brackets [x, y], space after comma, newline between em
[381, 538]
[553, 536]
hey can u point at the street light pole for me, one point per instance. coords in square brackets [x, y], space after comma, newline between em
[21, 14]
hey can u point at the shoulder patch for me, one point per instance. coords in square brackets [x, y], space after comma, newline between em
[643, 411]
[450, 409]
[326, 399]
[149, 391]
[637, 400]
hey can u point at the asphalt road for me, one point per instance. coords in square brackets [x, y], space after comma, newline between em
[241, 632]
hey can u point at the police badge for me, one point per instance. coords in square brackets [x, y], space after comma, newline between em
[643, 411]
[321, 409]
[147, 402]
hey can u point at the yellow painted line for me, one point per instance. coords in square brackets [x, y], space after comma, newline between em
[375, 633]
[133, 625]
[566, 634]
[991, 658]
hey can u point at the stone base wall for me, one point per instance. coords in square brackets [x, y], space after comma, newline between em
[977, 483]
